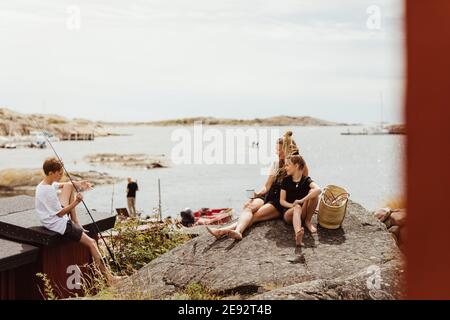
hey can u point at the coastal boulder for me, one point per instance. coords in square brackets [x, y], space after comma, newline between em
[138, 161]
[359, 261]
[13, 178]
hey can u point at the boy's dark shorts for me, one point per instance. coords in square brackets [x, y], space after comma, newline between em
[73, 232]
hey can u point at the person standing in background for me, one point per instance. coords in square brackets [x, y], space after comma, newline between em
[132, 187]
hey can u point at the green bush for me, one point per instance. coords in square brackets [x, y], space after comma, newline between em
[136, 244]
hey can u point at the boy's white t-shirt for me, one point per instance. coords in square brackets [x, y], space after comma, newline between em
[48, 206]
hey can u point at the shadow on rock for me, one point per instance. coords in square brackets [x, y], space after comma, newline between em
[331, 237]
[282, 234]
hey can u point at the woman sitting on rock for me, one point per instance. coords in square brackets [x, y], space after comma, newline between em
[266, 204]
[299, 197]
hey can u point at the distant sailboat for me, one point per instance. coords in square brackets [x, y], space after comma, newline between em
[378, 130]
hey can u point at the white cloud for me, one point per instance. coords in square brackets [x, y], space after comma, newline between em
[206, 55]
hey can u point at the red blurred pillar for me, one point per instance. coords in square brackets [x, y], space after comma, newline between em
[428, 148]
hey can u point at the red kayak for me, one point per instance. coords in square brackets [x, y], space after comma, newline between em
[213, 216]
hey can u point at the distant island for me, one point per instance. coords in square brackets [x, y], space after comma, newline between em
[211, 121]
[18, 124]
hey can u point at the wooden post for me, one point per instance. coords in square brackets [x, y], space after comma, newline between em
[159, 204]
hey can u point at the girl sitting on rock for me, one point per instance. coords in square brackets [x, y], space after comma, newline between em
[299, 197]
[266, 204]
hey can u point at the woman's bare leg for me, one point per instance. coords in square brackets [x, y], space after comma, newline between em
[245, 218]
[218, 233]
[310, 206]
[266, 212]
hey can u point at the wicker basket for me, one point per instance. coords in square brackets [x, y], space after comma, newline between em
[333, 207]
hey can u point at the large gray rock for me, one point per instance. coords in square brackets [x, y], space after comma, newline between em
[373, 283]
[266, 264]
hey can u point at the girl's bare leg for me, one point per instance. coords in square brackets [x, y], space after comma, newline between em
[294, 216]
[297, 223]
[289, 215]
[310, 206]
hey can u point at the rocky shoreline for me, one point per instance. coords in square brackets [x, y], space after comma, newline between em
[24, 181]
[360, 261]
[18, 124]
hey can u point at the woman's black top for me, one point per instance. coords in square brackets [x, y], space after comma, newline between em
[273, 196]
[274, 193]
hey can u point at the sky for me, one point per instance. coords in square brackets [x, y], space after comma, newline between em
[149, 60]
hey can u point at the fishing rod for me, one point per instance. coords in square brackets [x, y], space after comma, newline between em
[112, 200]
[77, 190]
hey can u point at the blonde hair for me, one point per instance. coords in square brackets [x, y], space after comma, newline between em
[289, 148]
[288, 144]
